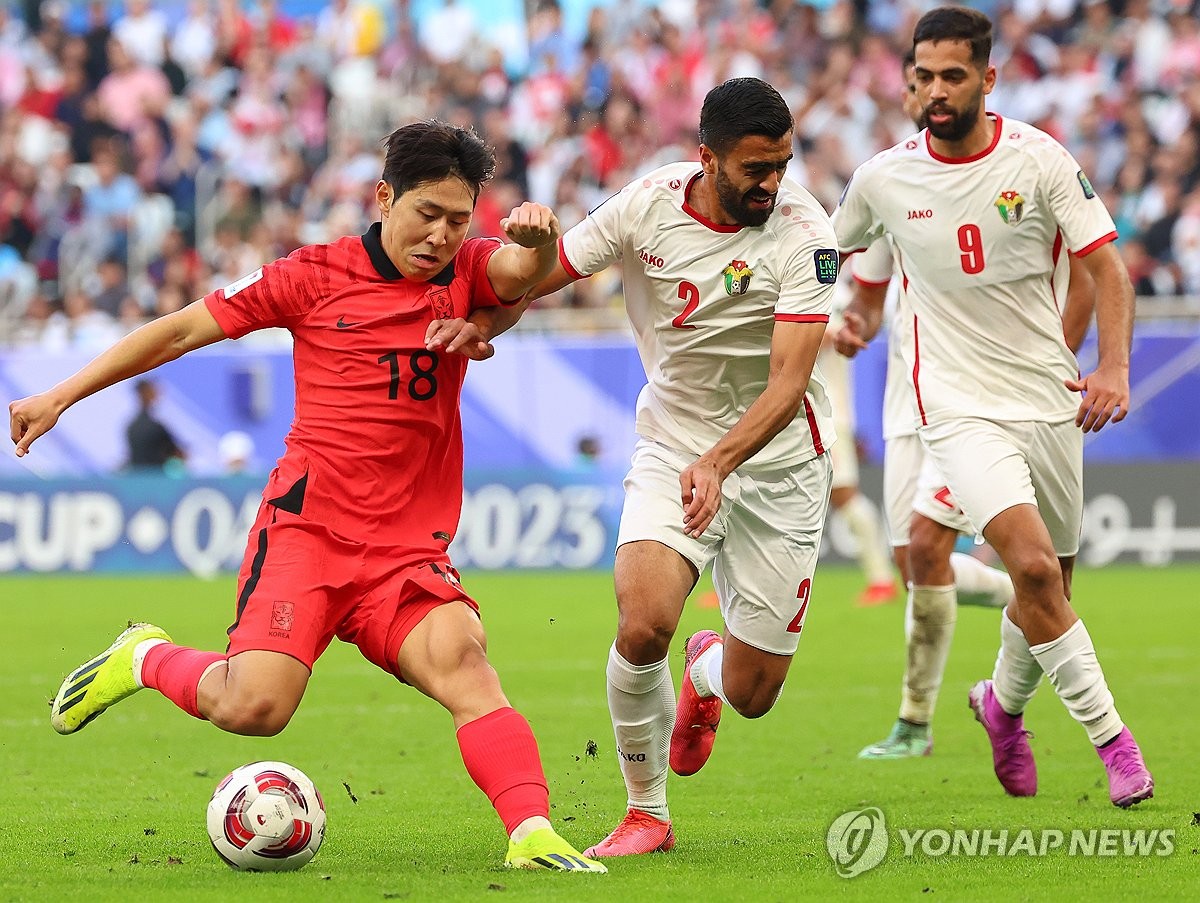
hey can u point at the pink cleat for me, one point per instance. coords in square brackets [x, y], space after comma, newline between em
[1011, 755]
[696, 716]
[1129, 781]
[877, 594]
[639, 832]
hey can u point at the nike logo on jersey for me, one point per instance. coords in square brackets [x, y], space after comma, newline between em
[342, 324]
[920, 214]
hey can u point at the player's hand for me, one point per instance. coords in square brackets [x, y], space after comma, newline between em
[531, 225]
[1105, 397]
[29, 418]
[458, 336]
[848, 340]
[700, 483]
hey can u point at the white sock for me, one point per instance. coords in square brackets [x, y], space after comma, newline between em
[864, 526]
[139, 657]
[929, 617]
[707, 676]
[527, 827]
[641, 700]
[1071, 664]
[1017, 673]
[979, 584]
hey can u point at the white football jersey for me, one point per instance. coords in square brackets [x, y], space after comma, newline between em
[979, 243]
[874, 266]
[703, 300]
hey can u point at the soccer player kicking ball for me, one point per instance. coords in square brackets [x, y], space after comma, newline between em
[351, 537]
[980, 210]
[728, 273]
[922, 517]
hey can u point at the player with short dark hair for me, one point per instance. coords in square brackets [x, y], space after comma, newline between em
[352, 534]
[728, 272]
[981, 212]
[924, 522]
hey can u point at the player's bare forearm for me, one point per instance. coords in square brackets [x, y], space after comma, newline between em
[1114, 303]
[516, 268]
[794, 349]
[862, 318]
[145, 348]
[1105, 391]
[1081, 303]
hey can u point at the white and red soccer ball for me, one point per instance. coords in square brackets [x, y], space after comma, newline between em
[266, 817]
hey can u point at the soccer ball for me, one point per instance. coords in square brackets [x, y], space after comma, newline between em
[266, 817]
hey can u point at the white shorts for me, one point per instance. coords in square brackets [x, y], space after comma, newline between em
[911, 482]
[839, 389]
[762, 543]
[993, 465]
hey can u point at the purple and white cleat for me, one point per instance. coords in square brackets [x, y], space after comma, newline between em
[1011, 756]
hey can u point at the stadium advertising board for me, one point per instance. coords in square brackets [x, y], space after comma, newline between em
[518, 519]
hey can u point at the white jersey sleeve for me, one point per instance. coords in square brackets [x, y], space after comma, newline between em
[1081, 215]
[874, 265]
[857, 225]
[593, 244]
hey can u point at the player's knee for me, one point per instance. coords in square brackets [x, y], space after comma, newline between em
[643, 641]
[258, 716]
[755, 701]
[1037, 574]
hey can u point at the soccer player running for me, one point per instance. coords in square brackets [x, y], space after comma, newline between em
[351, 537]
[728, 274]
[923, 519]
[979, 210]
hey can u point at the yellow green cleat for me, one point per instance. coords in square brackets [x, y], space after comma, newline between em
[99, 683]
[543, 849]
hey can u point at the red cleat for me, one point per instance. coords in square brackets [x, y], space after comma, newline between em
[877, 594]
[639, 832]
[696, 717]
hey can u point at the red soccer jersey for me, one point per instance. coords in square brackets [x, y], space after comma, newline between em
[375, 448]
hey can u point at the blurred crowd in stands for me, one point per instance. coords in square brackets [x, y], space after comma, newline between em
[149, 156]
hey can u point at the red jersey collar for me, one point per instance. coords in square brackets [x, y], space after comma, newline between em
[971, 159]
[372, 241]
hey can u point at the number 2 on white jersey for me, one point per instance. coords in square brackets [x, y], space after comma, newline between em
[690, 296]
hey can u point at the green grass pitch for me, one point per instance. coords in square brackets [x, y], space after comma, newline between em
[117, 811]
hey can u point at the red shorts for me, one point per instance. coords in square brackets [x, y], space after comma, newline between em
[301, 585]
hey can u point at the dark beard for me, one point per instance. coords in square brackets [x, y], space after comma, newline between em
[737, 205]
[958, 127]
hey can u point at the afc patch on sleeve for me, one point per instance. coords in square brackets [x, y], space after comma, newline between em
[245, 282]
[826, 260]
[1088, 191]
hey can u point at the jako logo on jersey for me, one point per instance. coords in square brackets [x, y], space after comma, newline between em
[737, 277]
[920, 214]
[1011, 206]
[649, 259]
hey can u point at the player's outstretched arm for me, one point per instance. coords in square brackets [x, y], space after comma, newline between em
[862, 318]
[143, 349]
[1081, 304]
[533, 230]
[472, 336]
[1106, 389]
[794, 349]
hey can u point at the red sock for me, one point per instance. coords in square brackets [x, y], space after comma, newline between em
[175, 671]
[501, 756]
